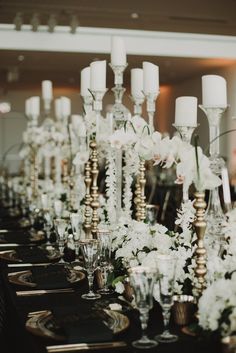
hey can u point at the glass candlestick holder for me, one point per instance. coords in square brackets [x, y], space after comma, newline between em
[185, 133]
[119, 111]
[214, 213]
[87, 103]
[138, 101]
[47, 107]
[151, 108]
[97, 106]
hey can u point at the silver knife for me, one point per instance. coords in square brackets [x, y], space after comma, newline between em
[28, 293]
[85, 346]
[29, 264]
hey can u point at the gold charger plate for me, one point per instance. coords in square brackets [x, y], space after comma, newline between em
[43, 324]
[11, 255]
[23, 278]
[34, 237]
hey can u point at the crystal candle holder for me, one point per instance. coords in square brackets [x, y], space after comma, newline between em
[138, 101]
[214, 213]
[185, 132]
[151, 108]
[119, 111]
[97, 106]
[87, 103]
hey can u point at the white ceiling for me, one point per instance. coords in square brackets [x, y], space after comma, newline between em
[192, 16]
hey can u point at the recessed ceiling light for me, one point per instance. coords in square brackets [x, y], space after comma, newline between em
[21, 58]
[134, 15]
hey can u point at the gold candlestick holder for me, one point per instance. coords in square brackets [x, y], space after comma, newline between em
[142, 182]
[200, 253]
[94, 188]
[87, 213]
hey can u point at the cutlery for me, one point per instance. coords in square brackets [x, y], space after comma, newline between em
[29, 265]
[84, 346]
[35, 313]
[28, 293]
[14, 245]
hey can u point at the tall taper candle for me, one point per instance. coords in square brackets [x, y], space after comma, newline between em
[85, 82]
[137, 83]
[98, 75]
[118, 52]
[47, 89]
[150, 78]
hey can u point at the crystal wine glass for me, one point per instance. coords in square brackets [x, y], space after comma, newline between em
[75, 219]
[142, 280]
[151, 214]
[61, 226]
[58, 208]
[104, 238]
[90, 250]
[166, 267]
[47, 225]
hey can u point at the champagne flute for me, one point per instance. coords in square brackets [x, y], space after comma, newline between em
[104, 237]
[151, 214]
[166, 267]
[47, 225]
[142, 280]
[61, 226]
[75, 219]
[90, 251]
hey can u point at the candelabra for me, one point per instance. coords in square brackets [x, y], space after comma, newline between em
[97, 106]
[185, 133]
[151, 108]
[200, 227]
[87, 103]
[120, 115]
[137, 198]
[214, 213]
[119, 111]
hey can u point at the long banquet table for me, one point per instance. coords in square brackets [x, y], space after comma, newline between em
[14, 310]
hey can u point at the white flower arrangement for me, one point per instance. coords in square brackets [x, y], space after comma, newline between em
[137, 243]
[217, 307]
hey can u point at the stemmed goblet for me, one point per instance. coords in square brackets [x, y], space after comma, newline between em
[142, 280]
[61, 226]
[75, 219]
[166, 267]
[104, 238]
[47, 225]
[90, 250]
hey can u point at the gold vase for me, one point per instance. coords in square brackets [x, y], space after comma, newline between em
[183, 309]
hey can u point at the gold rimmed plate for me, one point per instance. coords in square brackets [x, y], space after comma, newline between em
[33, 238]
[24, 278]
[43, 324]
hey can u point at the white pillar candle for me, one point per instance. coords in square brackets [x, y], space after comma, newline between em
[226, 187]
[118, 52]
[85, 82]
[214, 93]
[150, 78]
[186, 111]
[27, 107]
[57, 107]
[98, 75]
[47, 89]
[137, 83]
[65, 106]
[35, 106]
